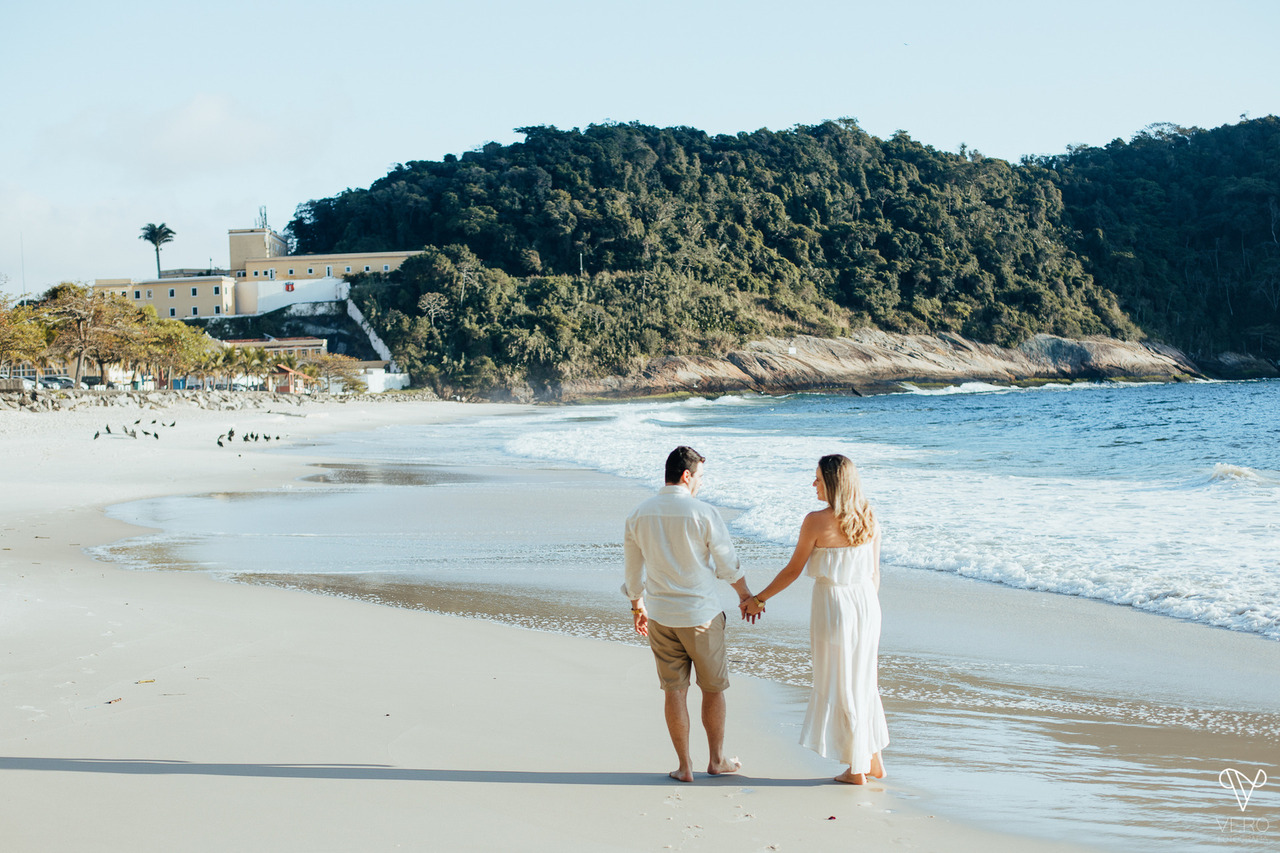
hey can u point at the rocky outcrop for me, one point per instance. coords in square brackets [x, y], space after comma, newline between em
[1235, 365]
[875, 362]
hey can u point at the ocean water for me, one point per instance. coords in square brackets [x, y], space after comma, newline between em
[1165, 498]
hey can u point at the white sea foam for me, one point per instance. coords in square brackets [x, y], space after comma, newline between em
[963, 388]
[1223, 474]
[1149, 544]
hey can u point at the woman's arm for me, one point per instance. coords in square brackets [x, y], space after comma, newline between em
[793, 568]
[875, 559]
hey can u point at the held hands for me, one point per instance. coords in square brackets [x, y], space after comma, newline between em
[750, 608]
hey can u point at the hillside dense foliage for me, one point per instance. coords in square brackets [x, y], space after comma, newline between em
[1183, 225]
[581, 252]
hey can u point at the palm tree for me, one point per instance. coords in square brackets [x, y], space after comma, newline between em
[251, 362]
[156, 235]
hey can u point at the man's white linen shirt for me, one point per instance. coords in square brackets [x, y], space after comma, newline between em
[676, 547]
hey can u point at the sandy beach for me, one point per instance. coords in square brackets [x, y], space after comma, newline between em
[172, 711]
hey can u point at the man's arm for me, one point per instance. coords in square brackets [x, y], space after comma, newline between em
[633, 585]
[724, 558]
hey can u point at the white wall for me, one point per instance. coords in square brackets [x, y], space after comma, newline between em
[379, 381]
[274, 294]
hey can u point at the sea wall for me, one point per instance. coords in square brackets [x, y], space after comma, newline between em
[875, 362]
[66, 400]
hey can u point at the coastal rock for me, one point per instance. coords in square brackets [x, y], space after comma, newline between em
[874, 362]
[1235, 365]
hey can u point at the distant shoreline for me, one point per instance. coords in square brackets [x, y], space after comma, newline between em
[866, 363]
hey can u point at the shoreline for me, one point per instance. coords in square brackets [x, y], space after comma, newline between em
[1144, 696]
[201, 698]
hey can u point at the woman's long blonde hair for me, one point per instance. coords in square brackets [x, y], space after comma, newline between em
[846, 499]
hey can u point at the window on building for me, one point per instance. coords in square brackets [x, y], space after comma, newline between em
[255, 273]
[137, 294]
[310, 271]
[366, 267]
[148, 294]
[173, 312]
[386, 267]
[217, 309]
[195, 291]
[328, 270]
[172, 293]
[217, 290]
[291, 271]
[195, 311]
[348, 269]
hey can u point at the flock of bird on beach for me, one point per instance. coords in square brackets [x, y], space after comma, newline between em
[249, 436]
[127, 432]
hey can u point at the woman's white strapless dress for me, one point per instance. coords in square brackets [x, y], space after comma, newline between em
[845, 720]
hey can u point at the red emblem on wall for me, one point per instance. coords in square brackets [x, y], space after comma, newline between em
[288, 286]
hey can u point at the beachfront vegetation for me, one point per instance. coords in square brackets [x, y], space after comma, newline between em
[78, 327]
[586, 252]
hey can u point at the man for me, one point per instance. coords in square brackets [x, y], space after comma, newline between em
[676, 548]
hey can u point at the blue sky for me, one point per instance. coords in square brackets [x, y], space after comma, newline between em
[196, 114]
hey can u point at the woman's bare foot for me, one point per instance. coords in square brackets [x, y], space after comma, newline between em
[877, 767]
[850, 778]
[682, 775]
[724, 767]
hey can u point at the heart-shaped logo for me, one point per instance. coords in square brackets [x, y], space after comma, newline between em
[1241, 785]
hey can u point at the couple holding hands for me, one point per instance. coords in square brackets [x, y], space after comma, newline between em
[677, 547]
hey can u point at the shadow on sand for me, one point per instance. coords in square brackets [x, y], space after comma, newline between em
[380, 772]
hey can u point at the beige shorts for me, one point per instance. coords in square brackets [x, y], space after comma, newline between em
[676, 649]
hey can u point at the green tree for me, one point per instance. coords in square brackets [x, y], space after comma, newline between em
[157, 235]
[84, 321]
[177, 349]
[22, 334]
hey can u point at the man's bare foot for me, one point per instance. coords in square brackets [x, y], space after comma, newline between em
[681, 775]
[877, 767]
[850, 778]
[724, 767]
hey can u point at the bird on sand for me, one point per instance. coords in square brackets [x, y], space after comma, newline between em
[96, 434]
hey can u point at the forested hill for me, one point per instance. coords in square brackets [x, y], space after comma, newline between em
[580, 252]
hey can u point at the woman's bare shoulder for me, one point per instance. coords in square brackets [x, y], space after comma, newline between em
[819, 517]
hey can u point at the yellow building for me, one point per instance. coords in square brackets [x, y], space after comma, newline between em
[261, 253]
[260, 278]
[191, 296]
[278, 347]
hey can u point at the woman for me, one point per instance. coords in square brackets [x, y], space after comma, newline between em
[840, 547]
